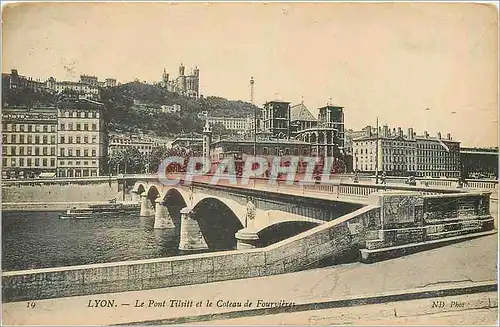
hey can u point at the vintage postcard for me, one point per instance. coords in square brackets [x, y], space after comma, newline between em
[253, 163]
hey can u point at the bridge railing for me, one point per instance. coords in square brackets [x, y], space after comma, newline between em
[361, 190]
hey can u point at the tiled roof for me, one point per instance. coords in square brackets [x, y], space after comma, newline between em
[300, 112]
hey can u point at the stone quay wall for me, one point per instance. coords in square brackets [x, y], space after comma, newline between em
[45, 193]
[404, 219]
[297, 253]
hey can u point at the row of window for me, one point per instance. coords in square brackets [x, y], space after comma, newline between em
[28, 139]
[81, 114]
[388, 167]
[442, 153]
[77, 127]
[78, 139]
[123, 147]
[21, 151]
[28, 162]
[42, 128]
[437, 167]
[277, 151]
[48, 128]
[77, 172]
[77, 163]
[78, 152]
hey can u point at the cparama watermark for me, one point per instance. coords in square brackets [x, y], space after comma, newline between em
[290, 170]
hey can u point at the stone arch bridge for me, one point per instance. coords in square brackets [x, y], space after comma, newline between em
[227, 217]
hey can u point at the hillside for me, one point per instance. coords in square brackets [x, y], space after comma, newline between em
[125, 116]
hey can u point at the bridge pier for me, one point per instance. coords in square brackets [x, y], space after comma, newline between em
[162, 216]
[191, 237]
[136, 197]
[145, 206]
[246, 238]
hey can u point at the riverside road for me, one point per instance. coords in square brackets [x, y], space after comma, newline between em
[459, 264]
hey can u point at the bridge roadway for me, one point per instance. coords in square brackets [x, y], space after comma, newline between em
[282, 187]
[457, 265]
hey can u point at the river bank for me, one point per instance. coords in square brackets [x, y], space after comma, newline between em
[45, 206]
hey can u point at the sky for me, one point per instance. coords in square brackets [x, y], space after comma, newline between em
[387, 60]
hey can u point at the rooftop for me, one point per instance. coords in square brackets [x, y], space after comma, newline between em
[300, 112]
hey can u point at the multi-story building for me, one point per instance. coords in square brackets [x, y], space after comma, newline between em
[238, 125]
[184, 84]
[332, 117]
[479, 162]
[325, 134]
[193, 141]
[171, 109]
[83, 89]
[90, 80]
[120, 143]
[16, 81]
[275, 119]
[29, 142]
[82, 138]
[110, 82]
[240, 148]
[438, 156]
[403, 155]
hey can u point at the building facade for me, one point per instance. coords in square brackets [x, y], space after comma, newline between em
[183, 84]
[238, 125]
[332, 117]
[83, 89]
[16, 81]
[240, 148]
[479, 162]
[275, 119]
[193, 141]
[29, 142]
[121, 143]
[325, 134]
[397, 154]
[170, 109]
[82, 139]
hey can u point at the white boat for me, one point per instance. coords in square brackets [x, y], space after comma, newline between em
[100, 210]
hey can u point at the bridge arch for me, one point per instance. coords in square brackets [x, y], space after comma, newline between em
[218, 223]
[152, 193]
[174, 200]
[140, 188]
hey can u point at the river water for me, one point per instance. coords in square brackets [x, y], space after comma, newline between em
[41, 240]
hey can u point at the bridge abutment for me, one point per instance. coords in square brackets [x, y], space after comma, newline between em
[145, 206]
[162, 216]
[191, 237]
[246, 238]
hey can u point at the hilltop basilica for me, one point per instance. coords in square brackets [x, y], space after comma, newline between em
[183, 84]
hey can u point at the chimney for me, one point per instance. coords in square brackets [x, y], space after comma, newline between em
[393, 132]
[439, 135]
[426, 135]
[368, 131]
[400, 132]
[386, 130]
[410, 133]
[448, 136]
